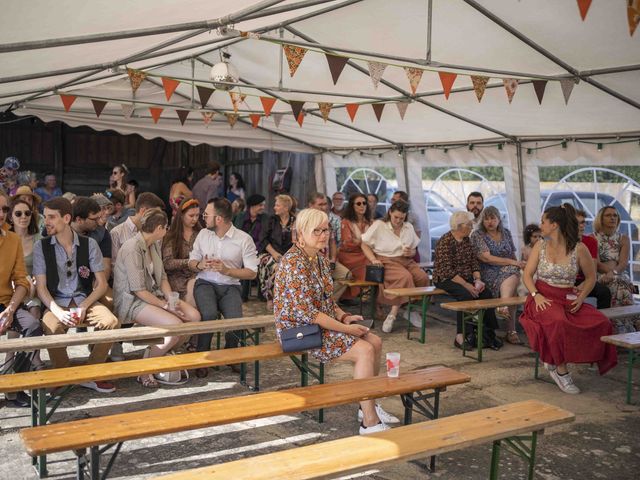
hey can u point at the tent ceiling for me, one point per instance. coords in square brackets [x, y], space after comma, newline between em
[462, 34]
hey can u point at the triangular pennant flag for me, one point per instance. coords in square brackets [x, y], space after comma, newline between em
[633, 15]
[479, 85]
[336, 65]
[67, 101]
[402, 108]
[296, 107]
[205, 94]
[277, 118]
[377, 109]
[182, 115]
[376, 70]
[155, 113]
[510, 85]
[325, 108]
[567, 85]
[294, 57]
[98, 106]
[235, 100]
[583, 6]
[539, 86]
[447, 79]
[127, 109]
[414, 75]
[267, 105]
[232, 118]
[255, 119]
[352, 108]
[300, 118]
[170, 86]
[207, 117]
[136, 77]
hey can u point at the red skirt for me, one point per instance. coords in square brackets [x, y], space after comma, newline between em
[560, 336]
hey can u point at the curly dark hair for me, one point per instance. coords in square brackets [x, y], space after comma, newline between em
[350, 210]
[529, 230]
[565, 217]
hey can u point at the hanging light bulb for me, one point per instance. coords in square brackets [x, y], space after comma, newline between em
[224, 71]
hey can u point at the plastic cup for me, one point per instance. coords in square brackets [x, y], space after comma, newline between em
[393, 364]
[75, 314]
[174, 298]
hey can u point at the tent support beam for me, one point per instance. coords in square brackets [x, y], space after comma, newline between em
[429, 18]
[523, 38]
[523, 210]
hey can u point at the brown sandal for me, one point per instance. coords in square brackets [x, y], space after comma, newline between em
[513, 338]
[147, 381]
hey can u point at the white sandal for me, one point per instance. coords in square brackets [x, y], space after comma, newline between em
[387, 325]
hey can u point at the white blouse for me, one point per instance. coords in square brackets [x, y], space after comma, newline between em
[384, 242]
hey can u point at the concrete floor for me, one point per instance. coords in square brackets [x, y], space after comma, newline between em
[602, 443]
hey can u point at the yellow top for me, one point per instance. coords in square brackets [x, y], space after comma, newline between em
[12, 267]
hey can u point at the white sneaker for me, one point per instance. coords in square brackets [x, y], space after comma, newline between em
[549, 366]
[565, 382]
[383, 415]
[116, 355]
[387, 325]
[416, 319]
[380, 427]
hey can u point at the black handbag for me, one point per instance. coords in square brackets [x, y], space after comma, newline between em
[374, 273]
[299, 339]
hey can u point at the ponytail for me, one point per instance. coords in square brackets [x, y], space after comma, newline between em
[565, 217]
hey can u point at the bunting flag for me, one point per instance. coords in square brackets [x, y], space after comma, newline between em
[207, 117]
[376, 69]
[447, 79]
[136, 77]
[232, 118]
[294, 57]
[567, 85]
[67, 101]
[255, 119]
[300, 117]
[633, 15]
[583, 6]
[414, 75]
[127, 109]
[296, 107]
[205, 94]
[325, 109]
[510, 85]
[98, 106]
[352, 108]
[235, 100]
[182, 115]
[336, 65]
[402, 108]
[267, 105]
[377, 109]
[277, 118]
[155, 113]
[479, 85]
[539, 86]
[170, 86]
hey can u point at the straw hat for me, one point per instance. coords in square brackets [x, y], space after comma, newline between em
[26, 190]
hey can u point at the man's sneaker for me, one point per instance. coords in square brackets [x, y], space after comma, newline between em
[549, 366]
[565, 382]
[386, 417]
[387, 325]
[116, 355]
[416, 319]
[380, 427]
[102, 387]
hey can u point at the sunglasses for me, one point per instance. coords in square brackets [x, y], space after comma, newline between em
[359, 204]
[19, 213]
[68, 264]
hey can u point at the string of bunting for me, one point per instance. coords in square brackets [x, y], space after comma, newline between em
[633, 12]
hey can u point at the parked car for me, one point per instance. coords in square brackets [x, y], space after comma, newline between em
[438, 209]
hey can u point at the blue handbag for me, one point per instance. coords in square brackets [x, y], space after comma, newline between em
[299, 339]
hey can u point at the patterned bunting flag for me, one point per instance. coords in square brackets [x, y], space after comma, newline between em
[352, 108]
[255, 119]
[325, 108]
[300, 118]
[414, 75]
[235, 100]
[567, 85]
[336, 65]
[170, 86]
[633, 15]
[182, 115]
[277, 118]
[479, 85]
[402, 108]
[155, 113]
[267, 105]
[583, 6]
[510, 85]
[98, 106]
[296, 107]
[205, 94]
[539, 86]
[127, 109]
[232, 118]
[136, 77]
[376, 70]
[207, 117]
[294, 56]
[447, 79]
[377, 109]
[67, 101]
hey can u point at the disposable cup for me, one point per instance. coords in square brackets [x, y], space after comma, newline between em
[75, 312]
[393, 364]
[174, 298]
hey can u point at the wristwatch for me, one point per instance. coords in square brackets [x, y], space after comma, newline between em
[533, 294]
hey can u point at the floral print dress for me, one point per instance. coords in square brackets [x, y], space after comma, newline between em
[494, 275]
[303, 288]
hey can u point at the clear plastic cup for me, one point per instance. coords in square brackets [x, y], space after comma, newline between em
[76, 313]
[174, 298]
[393, 364]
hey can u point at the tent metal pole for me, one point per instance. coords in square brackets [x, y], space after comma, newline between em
[523, 210]
[429, 17]
[285, 8]
[606, 71]
[405, 168]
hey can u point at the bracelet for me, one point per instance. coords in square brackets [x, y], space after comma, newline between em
[343, 316]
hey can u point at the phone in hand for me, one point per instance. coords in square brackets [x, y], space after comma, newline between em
[365, 323]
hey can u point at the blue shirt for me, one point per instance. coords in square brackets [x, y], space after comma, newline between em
[46, 196]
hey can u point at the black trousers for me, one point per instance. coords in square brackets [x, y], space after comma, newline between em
[458, 292]
[601, 293]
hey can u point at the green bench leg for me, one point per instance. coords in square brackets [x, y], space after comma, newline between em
[630, 374]
[495, 460]
[423, 324]
[479, 322]
[522, 446]
[306, 369]
[374, 296]
[480, 334]
[536, 370]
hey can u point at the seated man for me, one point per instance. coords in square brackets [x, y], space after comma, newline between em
[69, 274]
[600, 292]
[222, 255]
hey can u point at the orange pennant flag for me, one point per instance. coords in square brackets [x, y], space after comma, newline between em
[352, 108]
[633, 15]
[583, 6]
[155, 113]
[170, 86]
[67, 101]
[300, 118]
[267, 105]
[255, 119]
[447, 79]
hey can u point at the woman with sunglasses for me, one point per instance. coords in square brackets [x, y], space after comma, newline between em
[118, 178]
[355, 222]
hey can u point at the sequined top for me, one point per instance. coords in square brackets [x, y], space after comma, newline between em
[557, 274]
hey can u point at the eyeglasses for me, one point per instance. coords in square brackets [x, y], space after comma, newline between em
[321, 231]
[69, 263]
[115, 172]
[19, 213]
[359, 204]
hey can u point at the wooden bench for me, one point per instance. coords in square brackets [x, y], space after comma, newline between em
[630, 341]
[514, 426]
[473, 312]
[364, 286]
[113, 430]
[423, 296]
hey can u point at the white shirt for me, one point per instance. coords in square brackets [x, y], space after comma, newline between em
[380, 237]
[236, 250]
[120, 234]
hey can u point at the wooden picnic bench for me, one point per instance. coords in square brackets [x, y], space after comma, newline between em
[473, 312]
[113, 430]
[423, 296]
[514, 427]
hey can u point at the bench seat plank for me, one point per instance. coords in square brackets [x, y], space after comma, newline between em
[620, 312]
[358, 453]
[414, 292]
[474, 305]
[358, 283]
[626, 340]
[128, 426]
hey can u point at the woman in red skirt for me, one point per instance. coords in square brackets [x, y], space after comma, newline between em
[560, 327]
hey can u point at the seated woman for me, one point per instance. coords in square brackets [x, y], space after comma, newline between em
[277, 241]
[457, 270]
[392, 243]
[560, 327]
[355, 222]
[180, 188]
[499, 268]
[530, 236]
[303, 291]
[141, 289]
